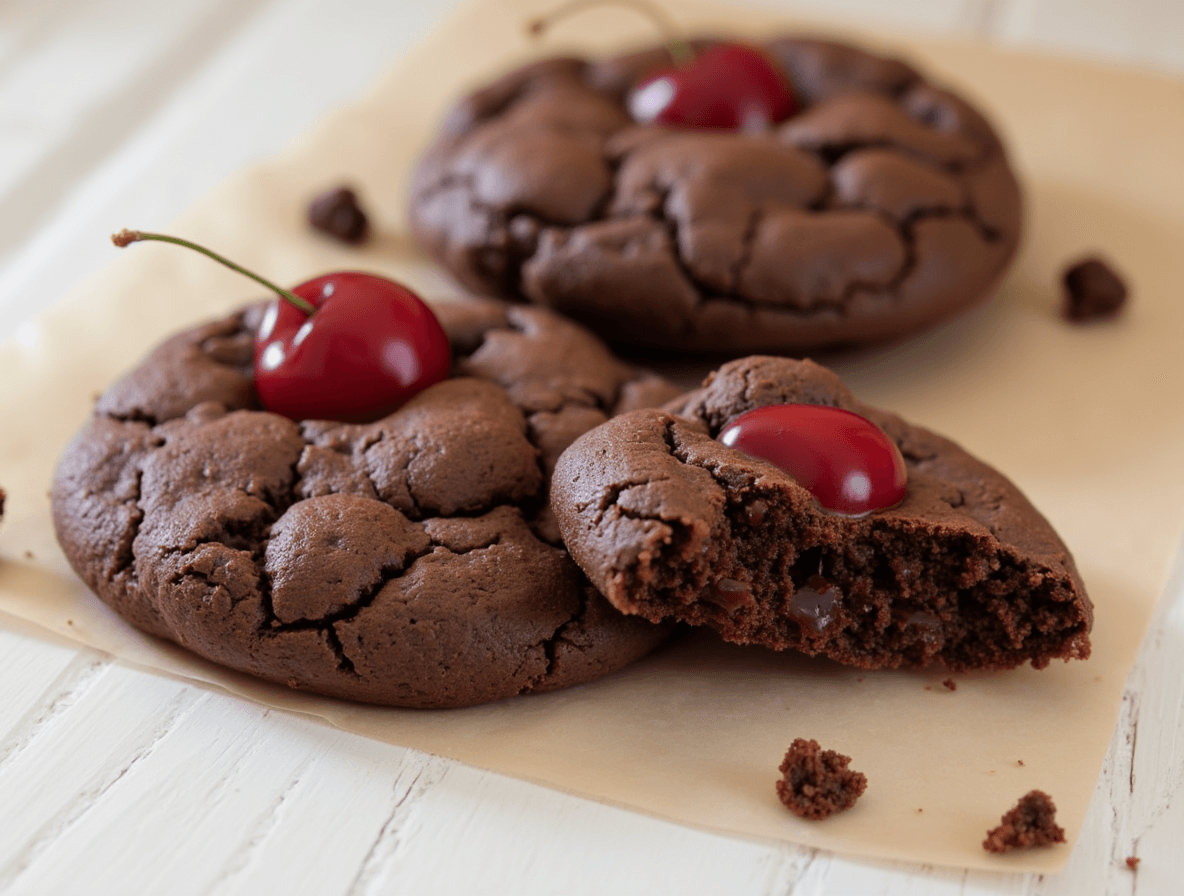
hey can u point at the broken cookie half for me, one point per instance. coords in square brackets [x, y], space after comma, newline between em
[671, 523]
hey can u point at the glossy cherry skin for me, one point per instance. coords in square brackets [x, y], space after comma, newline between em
[726, 87]
[369, 347]
[844, 460]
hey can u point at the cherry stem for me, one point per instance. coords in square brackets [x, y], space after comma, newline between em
[127, 237]
[679, 49]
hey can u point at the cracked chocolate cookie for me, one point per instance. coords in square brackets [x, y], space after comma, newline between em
[670, 523]
[883, 206]
[411, 561]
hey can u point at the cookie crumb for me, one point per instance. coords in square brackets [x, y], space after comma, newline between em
[1019, 762]
[337, 213]
[1091, 290]
[1132, 862]
[816, 783]
[951, 684]
[1031, 823]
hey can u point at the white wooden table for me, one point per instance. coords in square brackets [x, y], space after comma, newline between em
[120, 113]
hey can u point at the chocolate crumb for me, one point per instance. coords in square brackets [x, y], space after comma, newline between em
[951, 684]
[1132, 862]
[816, 783]
[1031, 823]
[1091, 290]
[1019, 762]
[337, 213]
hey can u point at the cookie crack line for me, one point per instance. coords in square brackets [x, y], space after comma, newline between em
[747, 241]
[347, 613]
[550, 644]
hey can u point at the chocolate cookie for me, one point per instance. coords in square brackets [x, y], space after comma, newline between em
[884, 205]
[412, 561]
[669, 523]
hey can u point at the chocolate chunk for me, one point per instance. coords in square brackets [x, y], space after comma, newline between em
[337, 213]
[1091, 290]
[1031, 823]
[817, 783]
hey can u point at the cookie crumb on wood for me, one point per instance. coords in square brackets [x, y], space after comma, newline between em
[337, 213]
[951, 684]
[816, 783]
[1132, 862]
[1091, 290]
[1031, 823]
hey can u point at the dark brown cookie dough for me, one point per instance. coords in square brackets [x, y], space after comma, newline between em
[670, 523]
[1031, 823]
[411, 561]
[884, 206]
[816, 783]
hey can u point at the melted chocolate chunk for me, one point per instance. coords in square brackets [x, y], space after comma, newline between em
[816, 604]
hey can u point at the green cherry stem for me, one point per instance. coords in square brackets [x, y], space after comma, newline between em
[679, 49]
[127, 237]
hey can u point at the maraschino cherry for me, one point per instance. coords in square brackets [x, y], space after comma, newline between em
[345, 346]
[729, 86]
[844, 460]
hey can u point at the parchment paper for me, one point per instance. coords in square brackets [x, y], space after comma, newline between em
[1088, 420]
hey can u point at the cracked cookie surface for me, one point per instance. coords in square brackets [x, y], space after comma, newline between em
[884, 206]
[411, 561]
[669, 523]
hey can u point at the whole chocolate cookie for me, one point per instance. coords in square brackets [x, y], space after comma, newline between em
[669, 523]
[884, 205]
[412, 561]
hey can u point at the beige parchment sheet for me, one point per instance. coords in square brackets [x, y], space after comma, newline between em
[1089, 421]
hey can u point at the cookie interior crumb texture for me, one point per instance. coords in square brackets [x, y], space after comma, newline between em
[671, 524]
[410, 561]
[1091, 290]
[1031, 823]
[817, 783]
[884, 206]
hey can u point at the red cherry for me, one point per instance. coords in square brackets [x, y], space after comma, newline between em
[726, 87]
[344, 346]
[844, 460]
[370, 346]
